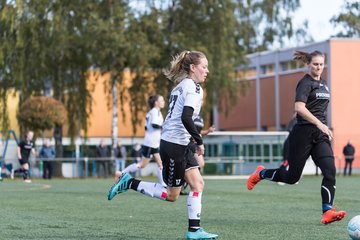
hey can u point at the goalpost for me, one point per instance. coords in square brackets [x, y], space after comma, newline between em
[7, 153]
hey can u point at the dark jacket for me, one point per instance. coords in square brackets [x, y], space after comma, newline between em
[349, 152]
[47, 153]
[120, 152]
[101, 152]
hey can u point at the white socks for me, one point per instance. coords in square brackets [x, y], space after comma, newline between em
[154, 190]
[160, 177]
[194, 205]
[131, 168]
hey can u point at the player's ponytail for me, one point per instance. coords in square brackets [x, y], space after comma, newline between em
[305, 57]
[180, 65]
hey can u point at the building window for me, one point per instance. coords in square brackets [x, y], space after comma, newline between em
[284, 66]
[267, 69]
[289, 65]
[246, 73]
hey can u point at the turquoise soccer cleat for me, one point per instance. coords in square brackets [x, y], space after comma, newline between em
[120, 186]
[200, 234]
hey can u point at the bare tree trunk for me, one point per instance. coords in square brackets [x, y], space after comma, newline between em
[114, 119]
[58, 150]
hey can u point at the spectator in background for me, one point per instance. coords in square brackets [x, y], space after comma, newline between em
[101, 155]
[26, 147]
[47, 155]
[136, 153]
[120, 156]
[349, 152]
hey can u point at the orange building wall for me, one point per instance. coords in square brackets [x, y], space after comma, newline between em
[345, 87]
[243, 113]
[100, 118]
[267, 99]
[13, 104]
[287, 87]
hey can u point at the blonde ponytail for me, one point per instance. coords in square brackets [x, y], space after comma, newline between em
[180, 65]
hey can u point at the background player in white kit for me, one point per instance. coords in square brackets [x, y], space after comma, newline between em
[177, 152]
[153, 126]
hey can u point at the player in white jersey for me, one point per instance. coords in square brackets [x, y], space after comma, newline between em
[153, 126]
[176, 150]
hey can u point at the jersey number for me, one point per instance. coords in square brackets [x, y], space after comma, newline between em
[172, 101]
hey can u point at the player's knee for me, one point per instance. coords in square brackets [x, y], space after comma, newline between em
[172, 197]
[329, 179]
[293, 180]
[329, 176]
[198, 185]
[25, 166]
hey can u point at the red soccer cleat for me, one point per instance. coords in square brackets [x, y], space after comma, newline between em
[254, 177]
[332, 216]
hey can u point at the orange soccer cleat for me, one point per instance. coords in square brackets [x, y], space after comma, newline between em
[254, 177]
[332, 216]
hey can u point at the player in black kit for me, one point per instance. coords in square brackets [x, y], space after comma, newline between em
[25, 147]
[309, 137]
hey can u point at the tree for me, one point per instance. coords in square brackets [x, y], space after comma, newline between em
[144, 35]
[349, 19]
[210, 27]
[263, 23]
[224, 30]
[111, 51]
[41, 113]
[56, 43]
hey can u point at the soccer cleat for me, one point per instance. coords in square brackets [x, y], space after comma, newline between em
[254, 177]
[120, 186]
[200, 234]
[27, 181]
[332, 216]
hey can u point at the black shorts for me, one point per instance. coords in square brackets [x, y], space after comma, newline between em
[148, 151]
[23, 161]
[176, 160]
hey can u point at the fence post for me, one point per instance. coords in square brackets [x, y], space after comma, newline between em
[86, 167]
[94, 168]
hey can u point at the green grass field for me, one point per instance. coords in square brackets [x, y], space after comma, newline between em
[79, 209]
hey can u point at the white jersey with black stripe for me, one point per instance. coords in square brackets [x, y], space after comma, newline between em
[186, 93]
[152, 135]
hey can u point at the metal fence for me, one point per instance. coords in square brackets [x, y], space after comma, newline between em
[227, 153]
[92, 167]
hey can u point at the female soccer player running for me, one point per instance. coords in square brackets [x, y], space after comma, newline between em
[309, 137]
[189, 69]
[153, 125]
